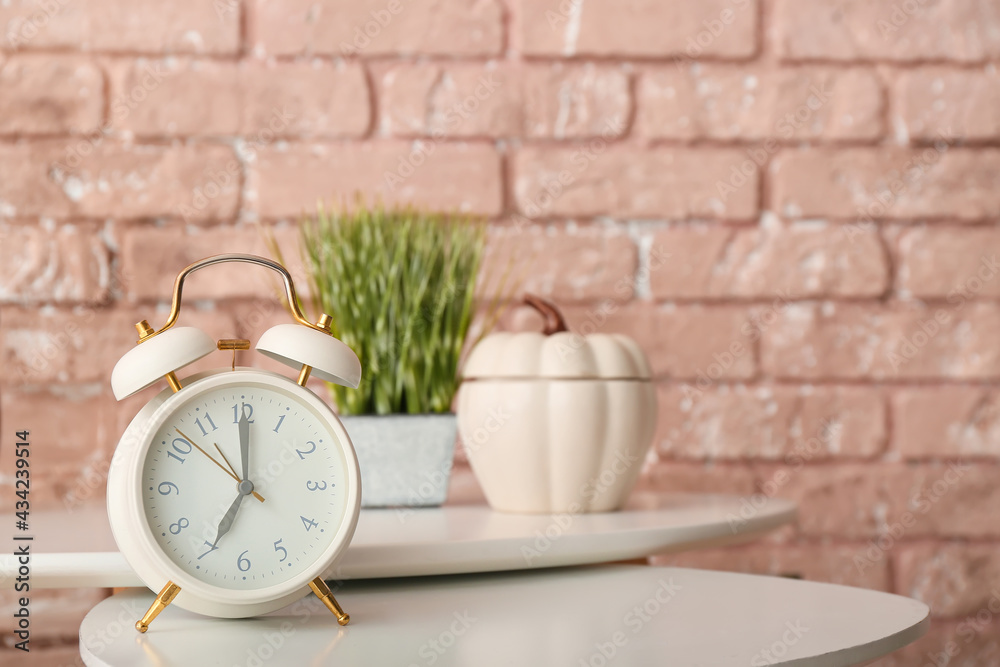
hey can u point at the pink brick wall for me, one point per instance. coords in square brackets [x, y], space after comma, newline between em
[792, 204]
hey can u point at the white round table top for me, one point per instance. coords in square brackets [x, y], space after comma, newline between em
[589, 616]
[75, 550]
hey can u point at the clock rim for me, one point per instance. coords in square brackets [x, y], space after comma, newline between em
[134, 536]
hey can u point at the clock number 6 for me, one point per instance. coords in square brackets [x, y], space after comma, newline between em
[315, 486]
[243, 559]
[283, 551]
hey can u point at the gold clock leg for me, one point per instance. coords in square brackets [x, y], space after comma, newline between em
[165, 597]
[322, 591]
[174, 383]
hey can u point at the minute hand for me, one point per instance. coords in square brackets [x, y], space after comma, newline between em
[244, 427]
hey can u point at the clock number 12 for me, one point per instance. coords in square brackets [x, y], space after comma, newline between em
[247, 408]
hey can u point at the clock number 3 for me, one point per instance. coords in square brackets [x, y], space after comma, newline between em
[315, 486]
[283, 550]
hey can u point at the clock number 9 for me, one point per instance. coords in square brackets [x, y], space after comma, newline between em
[243, 559]
[302, 453]
[169, 486]
[181, 524]
[315, 486]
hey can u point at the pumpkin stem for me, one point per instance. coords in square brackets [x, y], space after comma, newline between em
[554, 321]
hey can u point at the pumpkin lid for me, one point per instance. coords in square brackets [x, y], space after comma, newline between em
[556, 353]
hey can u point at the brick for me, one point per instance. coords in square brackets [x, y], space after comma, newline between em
[939, 181]
[377, 27]
[443, 177]
[139, 26]
[468, 100]
[946, 422]
[595, 179]
[966, 643]
[82, 345]
[50, 95]
[958, 264]
[684, 477]
[960, 30]
[685, 342]
[958, 500]
[43, 263]
[49, 656]
[901, 340]
[84, 178]
[830, 563]
[794, 260]
[954, 580]
[153, 257]
[850, 500]
[561, 263]
[255, 99]
[637, 28]
[926, 103]
[69, 425]
[770, 422]
[740, 102]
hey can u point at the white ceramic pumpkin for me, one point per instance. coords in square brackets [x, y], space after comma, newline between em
[555, 421]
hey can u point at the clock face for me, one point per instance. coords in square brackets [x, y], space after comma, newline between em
[241, 531]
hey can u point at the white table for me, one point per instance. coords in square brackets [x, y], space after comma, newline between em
[77, 549]
[569, 616]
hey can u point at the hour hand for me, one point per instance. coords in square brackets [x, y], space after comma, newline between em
[227, 520]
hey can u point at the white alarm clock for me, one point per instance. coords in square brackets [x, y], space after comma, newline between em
[235, 490]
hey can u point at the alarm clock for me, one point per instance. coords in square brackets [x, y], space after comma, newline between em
[234, 491]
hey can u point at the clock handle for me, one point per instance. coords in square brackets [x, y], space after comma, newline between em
[290, 296]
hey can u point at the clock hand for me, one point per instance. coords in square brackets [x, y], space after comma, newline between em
[212, 459]
[227, 520]
[223, 455]
[244, 427]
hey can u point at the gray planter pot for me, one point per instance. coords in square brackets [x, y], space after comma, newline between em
[405, 460]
